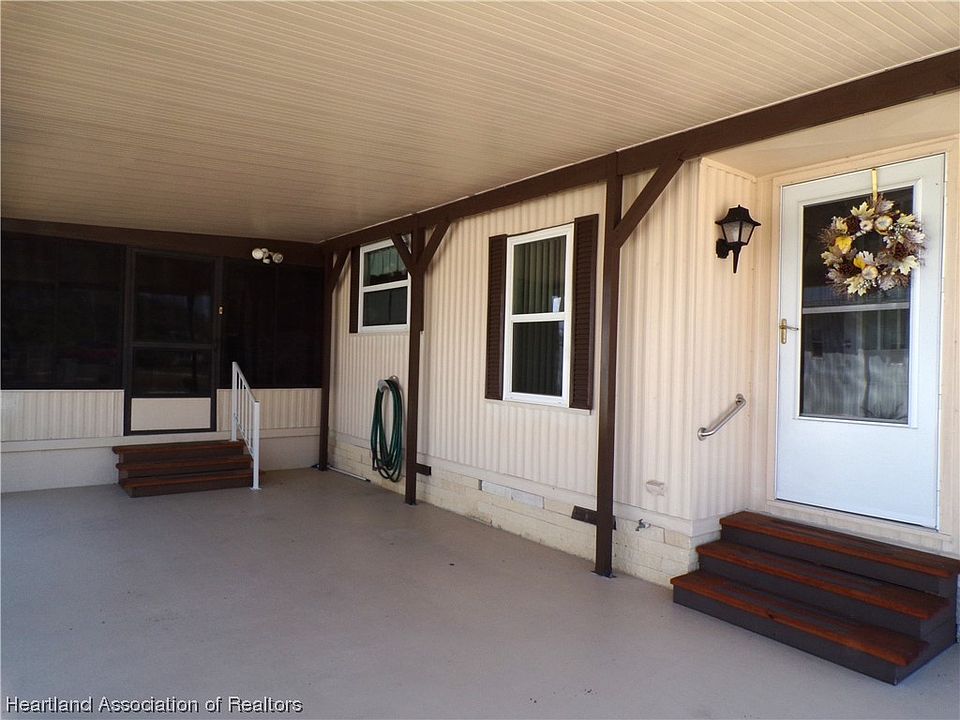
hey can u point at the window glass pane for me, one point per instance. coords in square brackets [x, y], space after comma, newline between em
[62, 305]
[299, 300]
[538, 276]
[538, 358]
[856, 349]
[383, 266]
[171, 372]
[173, 299]
[385, 307]
[249, 321]
[88, 342]
[817, 290]
[856, 365]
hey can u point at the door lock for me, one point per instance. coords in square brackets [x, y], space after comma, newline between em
[783, 330]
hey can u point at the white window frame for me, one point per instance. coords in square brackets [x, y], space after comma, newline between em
[364, 289]
[566, 316]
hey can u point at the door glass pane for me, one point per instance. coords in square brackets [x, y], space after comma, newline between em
[538, 276]
[538, 358]
[855, 349]
[171, 373]
[173, 300]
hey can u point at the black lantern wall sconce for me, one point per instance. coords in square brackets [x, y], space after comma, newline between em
[737, 227]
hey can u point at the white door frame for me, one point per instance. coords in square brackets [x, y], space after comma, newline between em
[925, 323]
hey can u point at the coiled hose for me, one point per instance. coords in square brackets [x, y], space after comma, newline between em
[387, 457]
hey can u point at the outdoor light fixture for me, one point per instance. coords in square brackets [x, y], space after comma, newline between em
[737, 227]
[266, 257]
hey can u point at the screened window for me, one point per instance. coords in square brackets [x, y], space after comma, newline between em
[271, 324]
[537, 326]
[384, 288]
[62, 307]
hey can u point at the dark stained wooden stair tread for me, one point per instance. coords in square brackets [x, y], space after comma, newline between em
[876, 608]
[841, 543]
[874, 592]
[179, 447]
[884, 644]
[146, 470]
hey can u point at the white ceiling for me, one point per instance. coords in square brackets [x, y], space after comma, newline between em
[304, 120]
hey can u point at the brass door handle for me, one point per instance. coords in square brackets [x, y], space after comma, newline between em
[783, 330]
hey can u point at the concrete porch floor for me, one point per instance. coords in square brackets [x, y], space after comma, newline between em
[327, 590]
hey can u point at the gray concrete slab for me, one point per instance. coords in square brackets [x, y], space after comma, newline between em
[327, 590]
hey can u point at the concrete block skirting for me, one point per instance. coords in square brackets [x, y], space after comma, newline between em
[650, 553]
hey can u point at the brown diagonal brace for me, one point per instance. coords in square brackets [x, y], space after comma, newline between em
[651, 191]
[338, 261]
[436, 237]
[404, 252]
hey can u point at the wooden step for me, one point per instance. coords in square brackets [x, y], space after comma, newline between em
[177, 466]
[894, 607]
[169, 485]
[874, 651]
[911, 568]
[180, 450]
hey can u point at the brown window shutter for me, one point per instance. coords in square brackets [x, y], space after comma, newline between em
[584, 310]
[496, 285]
[354, 289]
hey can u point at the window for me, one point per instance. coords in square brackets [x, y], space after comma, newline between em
[271, 324]
[383, 285]
[536, 364]
[541, 307]
[62, 310]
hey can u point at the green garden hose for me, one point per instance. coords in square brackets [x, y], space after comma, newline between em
[387, 458]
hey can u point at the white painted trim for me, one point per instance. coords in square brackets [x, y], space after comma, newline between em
[80, 443]
[361, 328]
[565, 316]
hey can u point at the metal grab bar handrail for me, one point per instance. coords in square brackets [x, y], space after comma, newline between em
[738, 405]
[245, 418]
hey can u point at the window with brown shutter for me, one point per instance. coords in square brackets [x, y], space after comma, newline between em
[540, 322]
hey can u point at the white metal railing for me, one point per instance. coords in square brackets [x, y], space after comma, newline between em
[245, 418]
[738, 405]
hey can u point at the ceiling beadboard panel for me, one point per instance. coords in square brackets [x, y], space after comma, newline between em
[304, 120]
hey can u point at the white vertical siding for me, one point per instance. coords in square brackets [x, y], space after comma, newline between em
[280, 408]
[359, 360]
[685, 348]
[724, 347]
[684, 353]
[61, 414]
[552, 446]
[555, 447]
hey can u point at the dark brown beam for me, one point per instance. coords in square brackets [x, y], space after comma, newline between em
[413, 365]
[874, 92]
[638, 209]
[565, 178]
[296, 253]
[607, 396]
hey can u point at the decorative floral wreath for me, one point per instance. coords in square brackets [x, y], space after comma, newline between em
[858, 272]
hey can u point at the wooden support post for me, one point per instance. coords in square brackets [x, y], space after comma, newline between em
[607, 396]
[417, 273]
[332, 267]
[616, 232]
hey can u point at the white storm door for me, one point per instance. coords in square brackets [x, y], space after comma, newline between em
[859, 380]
